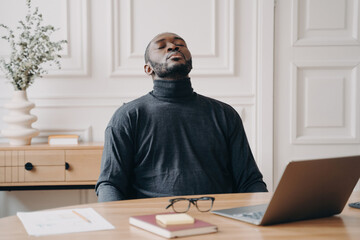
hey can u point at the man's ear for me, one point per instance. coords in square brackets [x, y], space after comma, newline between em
[148, 69]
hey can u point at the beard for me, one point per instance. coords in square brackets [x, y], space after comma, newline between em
[163, 70]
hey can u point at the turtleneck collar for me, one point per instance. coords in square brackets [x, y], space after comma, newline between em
[173, 88]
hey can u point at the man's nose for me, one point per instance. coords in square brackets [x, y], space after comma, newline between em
[172, 47]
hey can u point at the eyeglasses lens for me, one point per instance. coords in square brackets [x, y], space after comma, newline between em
[204, 205]
[181, 205]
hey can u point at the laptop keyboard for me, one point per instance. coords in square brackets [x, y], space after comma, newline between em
[252, 215]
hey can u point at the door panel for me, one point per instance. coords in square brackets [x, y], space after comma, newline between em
[316, 81]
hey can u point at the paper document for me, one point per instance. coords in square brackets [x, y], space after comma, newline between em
[41, 223]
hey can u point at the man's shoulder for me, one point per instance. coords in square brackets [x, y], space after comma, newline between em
[216, 103]
[134, 104]
[128, 109]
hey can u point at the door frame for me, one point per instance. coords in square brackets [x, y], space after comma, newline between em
[264, 89]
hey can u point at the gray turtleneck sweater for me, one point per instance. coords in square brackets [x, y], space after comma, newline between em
[174, 141]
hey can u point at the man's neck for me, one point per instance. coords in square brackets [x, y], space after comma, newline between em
[179, 89]
[170, 78]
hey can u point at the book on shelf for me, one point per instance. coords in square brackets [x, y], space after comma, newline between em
[63, 139]
[151, 224]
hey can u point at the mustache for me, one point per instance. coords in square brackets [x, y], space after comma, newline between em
[175, 52]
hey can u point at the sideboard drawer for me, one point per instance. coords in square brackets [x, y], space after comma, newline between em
[46, 165]
[45, 174]
[45, 158]
[84, 165]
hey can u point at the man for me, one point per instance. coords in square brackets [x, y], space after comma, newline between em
[174, 141]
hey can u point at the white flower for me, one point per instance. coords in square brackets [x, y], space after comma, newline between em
[30, 50]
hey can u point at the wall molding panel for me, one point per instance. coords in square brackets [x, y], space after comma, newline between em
[217, 59]
[88, 106]
[333, 118]
[113, 101]
[76, 64]
[74, 28]
[325, 22]
[132, 53]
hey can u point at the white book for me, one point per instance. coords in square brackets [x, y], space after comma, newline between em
[63, 139]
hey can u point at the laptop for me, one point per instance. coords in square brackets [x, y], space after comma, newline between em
[308, 189]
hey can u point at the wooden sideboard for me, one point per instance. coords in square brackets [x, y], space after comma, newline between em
[41, 166]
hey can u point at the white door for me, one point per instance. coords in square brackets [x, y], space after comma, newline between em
[316, 81]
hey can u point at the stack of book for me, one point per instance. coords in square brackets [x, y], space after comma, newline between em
[63, 139]
[177, 225]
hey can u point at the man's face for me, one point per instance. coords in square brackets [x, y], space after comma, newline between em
[169, 56]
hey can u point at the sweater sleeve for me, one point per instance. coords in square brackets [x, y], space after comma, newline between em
[116, 166]
[247, 177]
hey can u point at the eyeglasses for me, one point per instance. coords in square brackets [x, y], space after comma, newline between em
[181, 205]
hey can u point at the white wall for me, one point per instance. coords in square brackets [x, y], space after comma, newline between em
[102, 67]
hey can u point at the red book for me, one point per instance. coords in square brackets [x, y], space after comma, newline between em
[149, 223]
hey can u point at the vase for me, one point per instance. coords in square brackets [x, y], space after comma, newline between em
[19, 120]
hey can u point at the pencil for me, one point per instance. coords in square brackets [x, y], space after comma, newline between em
[84, 218]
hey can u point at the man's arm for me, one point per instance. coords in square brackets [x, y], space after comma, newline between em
[116, 166]
[247, 176]
[107, 192]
